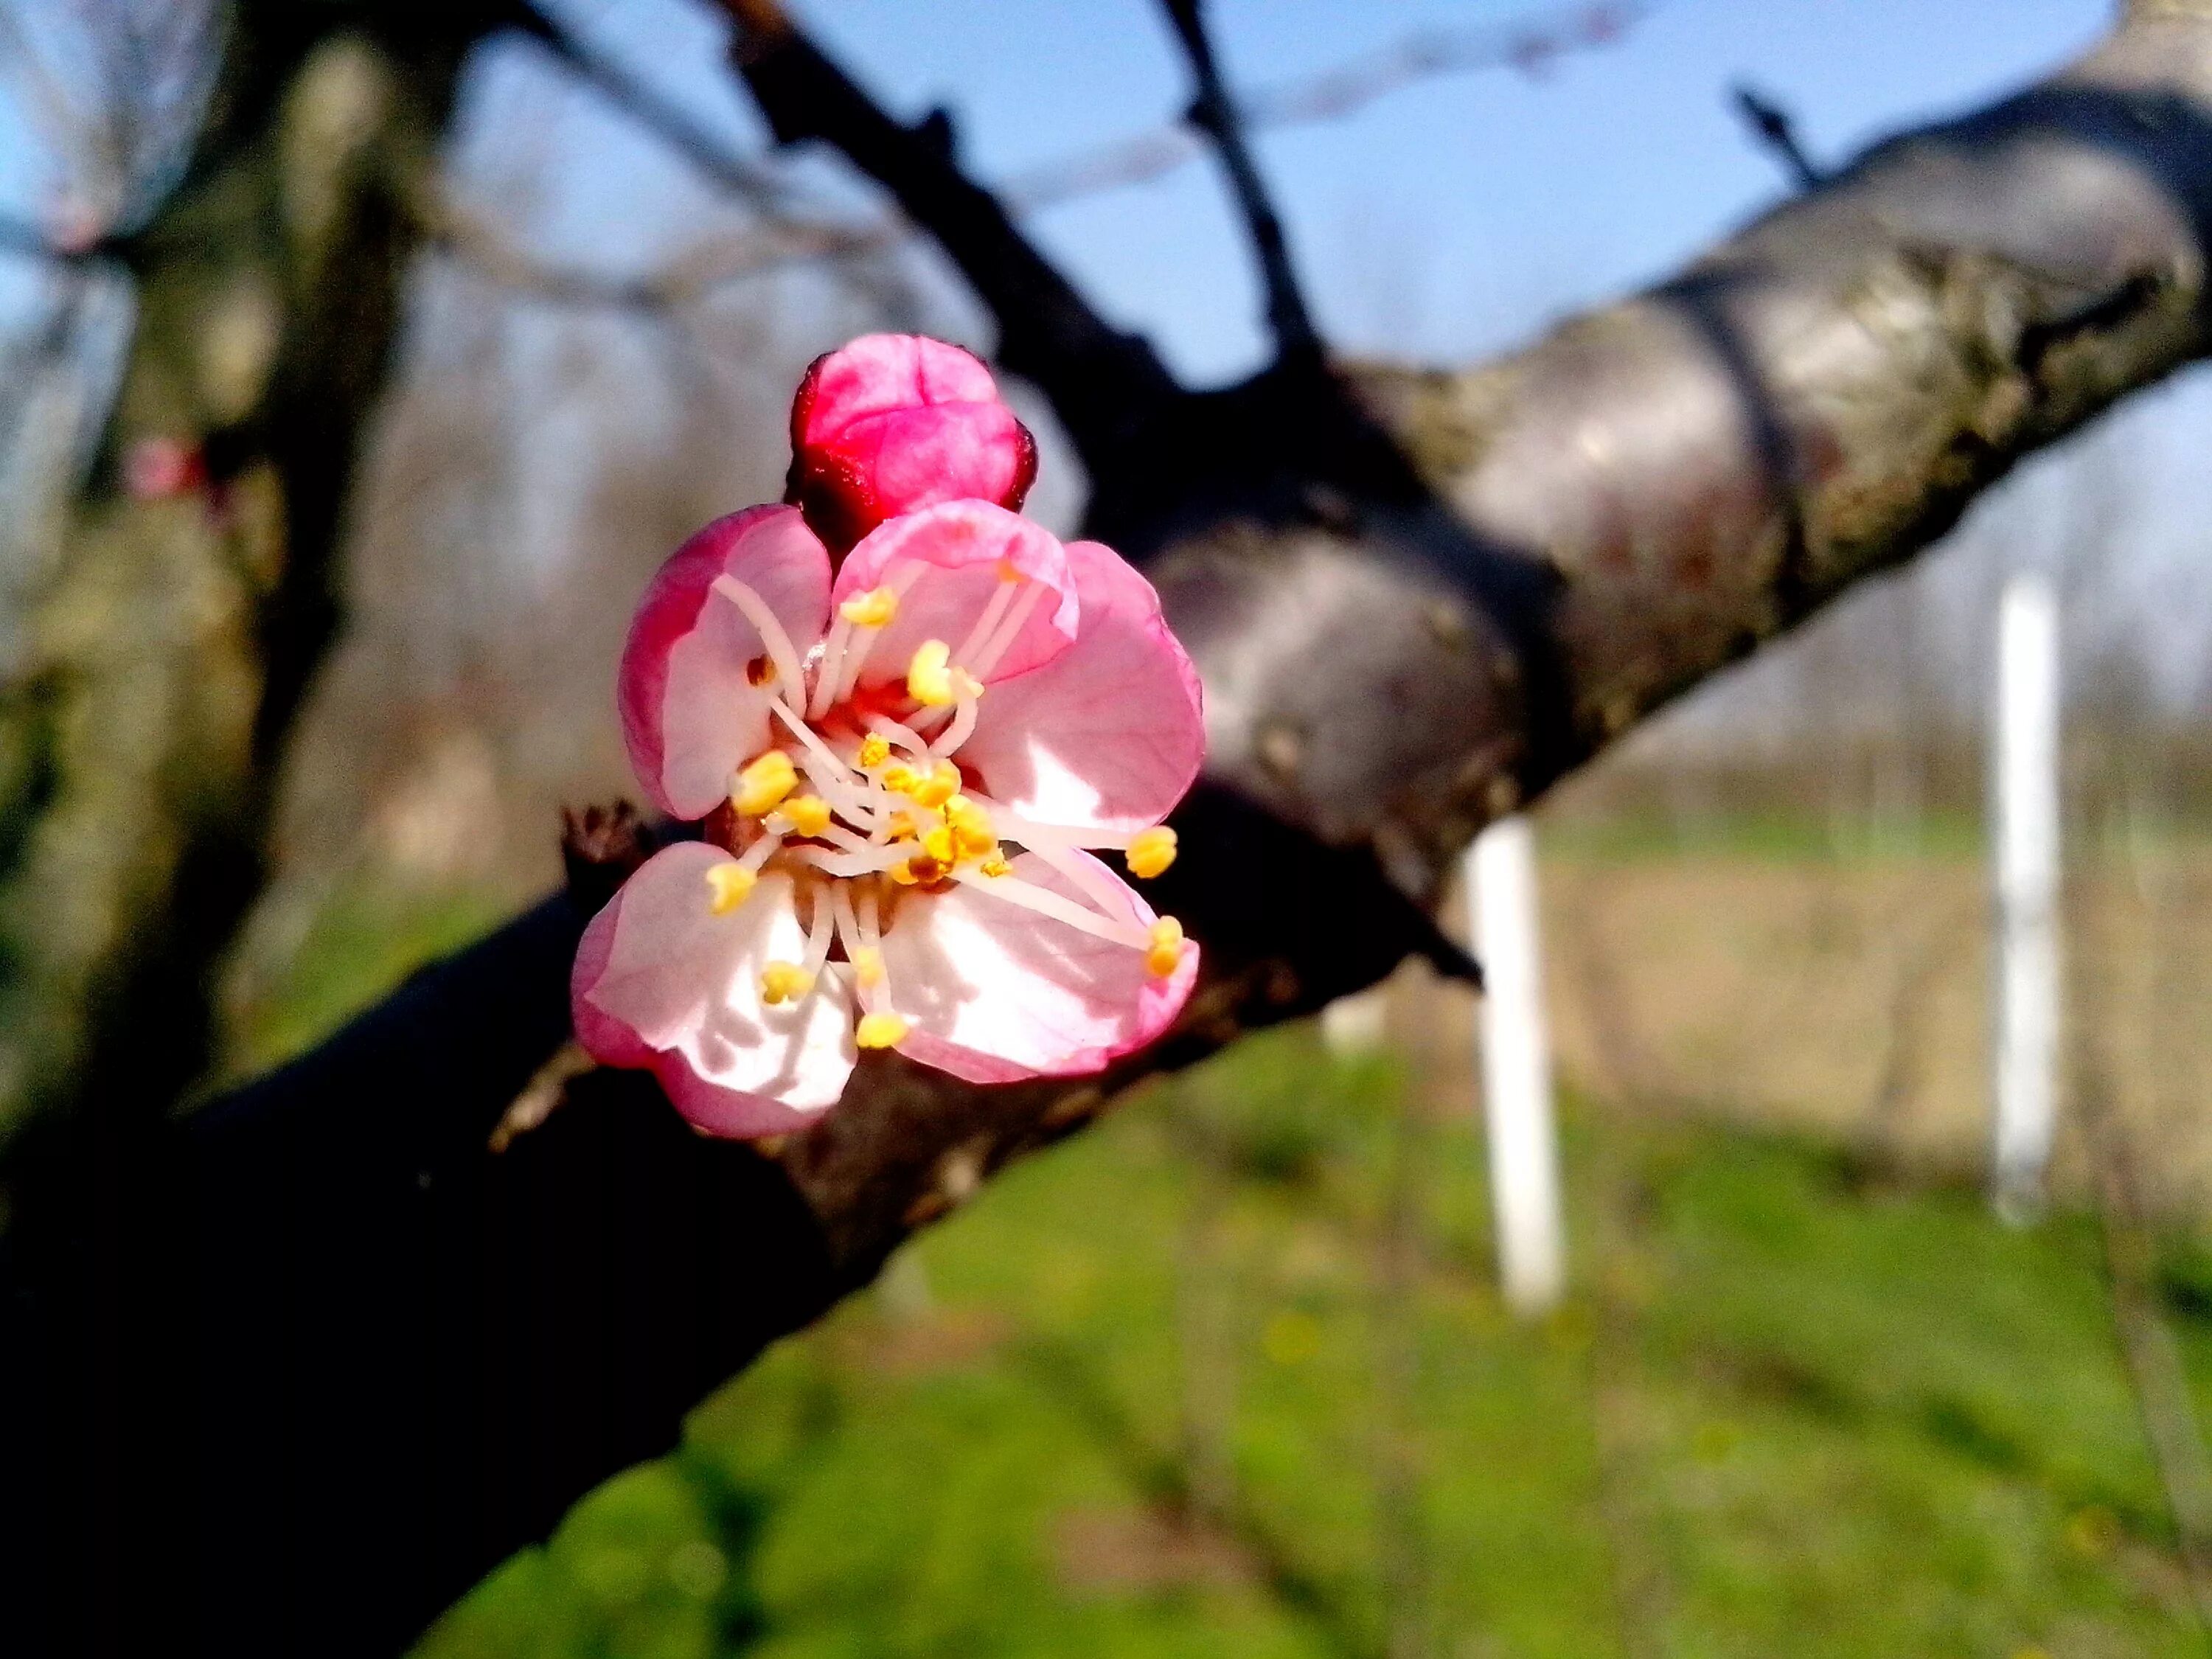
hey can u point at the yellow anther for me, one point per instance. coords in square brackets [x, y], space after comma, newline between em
[938, 787]
[784, 982]
[901, 826]
[879, 1031]
[868, 965]
[874, 751]
[900, 780]
[809, 814]
[764, 783]
[938, 844]
[916, 871]
[1151, 851]
[1164, 954]
[873, 608]
[971, 827]
[996, 866]
[728, 885]
[928, 680]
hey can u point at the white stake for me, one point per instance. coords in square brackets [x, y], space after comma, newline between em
[1516, 1067]
[2025, 806]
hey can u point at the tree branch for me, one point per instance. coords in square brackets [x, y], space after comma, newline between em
[1102, 381]
[665, 118]
[1773, 127]
[1212, 113]
[1615, 515]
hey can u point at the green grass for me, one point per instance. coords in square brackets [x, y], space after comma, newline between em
[1778, 836]
[1226, 1377]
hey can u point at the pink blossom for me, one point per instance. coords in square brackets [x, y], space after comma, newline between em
[893, 422]
[904, 771]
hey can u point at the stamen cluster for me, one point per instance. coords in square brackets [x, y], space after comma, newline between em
[862, 797]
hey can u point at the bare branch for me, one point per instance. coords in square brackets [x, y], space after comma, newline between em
[1213, 114]
[1773, 127]
[667, 120]
[1102, 381]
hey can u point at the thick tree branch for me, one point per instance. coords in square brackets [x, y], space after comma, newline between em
[1392, 655]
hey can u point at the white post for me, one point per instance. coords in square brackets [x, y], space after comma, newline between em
[1516, 1067]
[2025, 802]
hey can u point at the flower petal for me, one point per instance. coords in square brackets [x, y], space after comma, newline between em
[690, 713]
[963, 544]
[894, 422]
[660, 980]
[1111, 734]
[993, 992]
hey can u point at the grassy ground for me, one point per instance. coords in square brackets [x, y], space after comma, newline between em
[1226, 1375]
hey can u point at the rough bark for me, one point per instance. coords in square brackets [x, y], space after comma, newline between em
[1417, 598]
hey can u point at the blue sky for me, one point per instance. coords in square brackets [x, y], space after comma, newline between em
[1454, 216]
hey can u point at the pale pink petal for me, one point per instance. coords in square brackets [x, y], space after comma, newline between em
[962, 544]
[993, 992]
[660, 980]
[894, 422]
[690, 713]
[1111, 734]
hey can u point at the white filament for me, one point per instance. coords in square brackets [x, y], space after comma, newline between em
[864, 639]
[818, 928]
[830, 672]
[906, 737]
[1009, 630]
[1014, 890]
[1013, 826]
[848, 930]
[788, 667]
[962, 729]
[1097, 883]
[846, 865]
[1001, 596]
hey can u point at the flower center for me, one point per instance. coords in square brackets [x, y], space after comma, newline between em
[860, 798]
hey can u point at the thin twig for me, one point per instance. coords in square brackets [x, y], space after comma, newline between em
[1213, 113]
[1775, 128]
[707, 150]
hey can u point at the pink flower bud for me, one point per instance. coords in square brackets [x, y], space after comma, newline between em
[895, 422]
